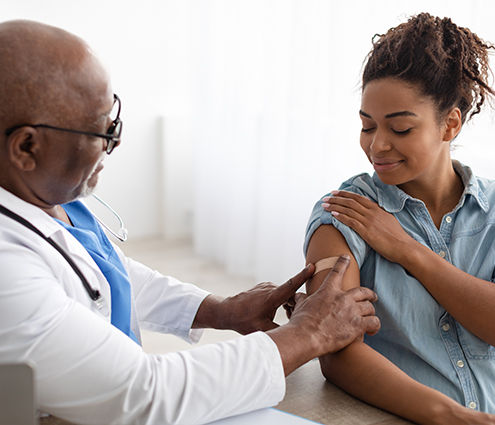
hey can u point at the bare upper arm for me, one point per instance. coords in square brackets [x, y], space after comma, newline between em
[327, 241]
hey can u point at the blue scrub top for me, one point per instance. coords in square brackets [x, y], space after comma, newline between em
[89, 233]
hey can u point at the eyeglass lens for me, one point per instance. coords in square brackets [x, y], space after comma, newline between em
[115, 128]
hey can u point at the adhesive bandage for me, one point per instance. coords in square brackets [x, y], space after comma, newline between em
[325, 264]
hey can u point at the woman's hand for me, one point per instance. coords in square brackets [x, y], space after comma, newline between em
[377, 227]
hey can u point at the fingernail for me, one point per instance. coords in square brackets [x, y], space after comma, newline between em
[334, 192]
[325, 198]
[325, 205]
[307, 266]
[346, 257]
[334, 213]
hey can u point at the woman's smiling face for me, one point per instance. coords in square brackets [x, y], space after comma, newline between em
[401, 135]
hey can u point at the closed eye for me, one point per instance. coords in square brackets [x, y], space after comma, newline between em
[402, 132]
[367, 130]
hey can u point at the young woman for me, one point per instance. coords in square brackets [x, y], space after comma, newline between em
[423, 234]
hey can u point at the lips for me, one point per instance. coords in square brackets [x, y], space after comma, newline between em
[383, 165]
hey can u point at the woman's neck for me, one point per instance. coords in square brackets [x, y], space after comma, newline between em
[439, 190]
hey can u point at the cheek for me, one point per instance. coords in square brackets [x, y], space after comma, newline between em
[364, 141]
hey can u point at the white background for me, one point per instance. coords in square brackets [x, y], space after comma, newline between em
[239, 115]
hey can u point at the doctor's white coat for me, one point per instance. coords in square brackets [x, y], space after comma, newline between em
[89, 372]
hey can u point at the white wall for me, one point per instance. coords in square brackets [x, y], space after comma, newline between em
[264, 93]
[143, 45]
[276, 114]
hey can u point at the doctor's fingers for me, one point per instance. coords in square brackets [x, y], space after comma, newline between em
[371, 324]
[290, 305]
[363, 294]
[284, 292]
[366, 308]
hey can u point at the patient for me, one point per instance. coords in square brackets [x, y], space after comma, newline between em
[423, 234]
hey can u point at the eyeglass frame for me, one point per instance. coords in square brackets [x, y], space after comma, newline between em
[112, 135]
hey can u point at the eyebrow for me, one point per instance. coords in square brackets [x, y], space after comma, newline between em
[392, 115]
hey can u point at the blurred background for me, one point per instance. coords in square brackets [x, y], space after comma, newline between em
[239, 115]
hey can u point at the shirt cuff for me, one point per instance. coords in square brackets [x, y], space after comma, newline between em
[271, 356]
[189, 334]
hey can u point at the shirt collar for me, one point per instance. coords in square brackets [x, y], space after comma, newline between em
[392, 199]
[471, 186]
[36, 216]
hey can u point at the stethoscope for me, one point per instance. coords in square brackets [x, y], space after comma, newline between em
[122, 234]
[94, 294]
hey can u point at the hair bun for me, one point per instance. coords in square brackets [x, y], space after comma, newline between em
[448, 62]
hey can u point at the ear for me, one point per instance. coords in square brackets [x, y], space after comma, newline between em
[23, 147]
[452, 124]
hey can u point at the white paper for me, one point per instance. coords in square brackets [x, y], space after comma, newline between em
[265, 417]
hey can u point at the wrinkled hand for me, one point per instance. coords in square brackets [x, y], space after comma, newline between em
[254, 310]
[336, 317]
[378, 228]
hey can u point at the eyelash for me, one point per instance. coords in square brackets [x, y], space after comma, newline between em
[400, 133]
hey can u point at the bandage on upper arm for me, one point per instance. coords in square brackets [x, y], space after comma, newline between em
[328, 242]
[325, 264]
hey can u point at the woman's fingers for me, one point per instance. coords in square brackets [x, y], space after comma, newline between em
[356, 222]
[349, 203]
[363, 200]
[347, 211]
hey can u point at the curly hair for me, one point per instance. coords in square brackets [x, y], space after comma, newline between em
[447, 62]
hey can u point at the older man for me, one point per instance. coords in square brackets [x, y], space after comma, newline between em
[71, 303]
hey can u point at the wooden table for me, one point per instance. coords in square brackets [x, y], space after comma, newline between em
[310, 396]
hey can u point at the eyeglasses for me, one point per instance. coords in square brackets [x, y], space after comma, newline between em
[112, 136]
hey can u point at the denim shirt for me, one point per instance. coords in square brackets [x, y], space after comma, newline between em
[417, 334]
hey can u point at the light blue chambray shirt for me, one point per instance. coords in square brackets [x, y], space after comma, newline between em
[417, 334]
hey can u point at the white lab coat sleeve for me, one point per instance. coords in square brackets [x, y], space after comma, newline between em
[163, 303]
[88, 372]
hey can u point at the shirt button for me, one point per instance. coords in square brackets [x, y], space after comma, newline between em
[460, 363]
[445, 327]
[472, 405]
[448, 219]
[442, 254]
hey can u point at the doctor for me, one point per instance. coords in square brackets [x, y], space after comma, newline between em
[71, 303]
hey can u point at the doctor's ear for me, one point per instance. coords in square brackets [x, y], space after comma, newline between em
[452, 124]
[22, 148]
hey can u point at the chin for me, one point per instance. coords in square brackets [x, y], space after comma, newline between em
[391, 180]
[87, 188]
[86, 192]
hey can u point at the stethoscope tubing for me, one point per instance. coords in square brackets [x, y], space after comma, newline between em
[123, 231]
[94, 294]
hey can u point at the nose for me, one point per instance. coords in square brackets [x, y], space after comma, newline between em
[380, 142]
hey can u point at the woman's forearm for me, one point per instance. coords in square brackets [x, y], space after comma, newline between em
[468, 299]
[367, 375]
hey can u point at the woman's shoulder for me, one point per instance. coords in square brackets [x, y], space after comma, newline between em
[482, 188]
[363, 184]
[487, 186]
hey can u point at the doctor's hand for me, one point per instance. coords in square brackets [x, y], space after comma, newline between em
[326, 321]
[252, 310]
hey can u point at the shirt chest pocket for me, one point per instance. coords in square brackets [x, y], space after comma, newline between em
[474, 348]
